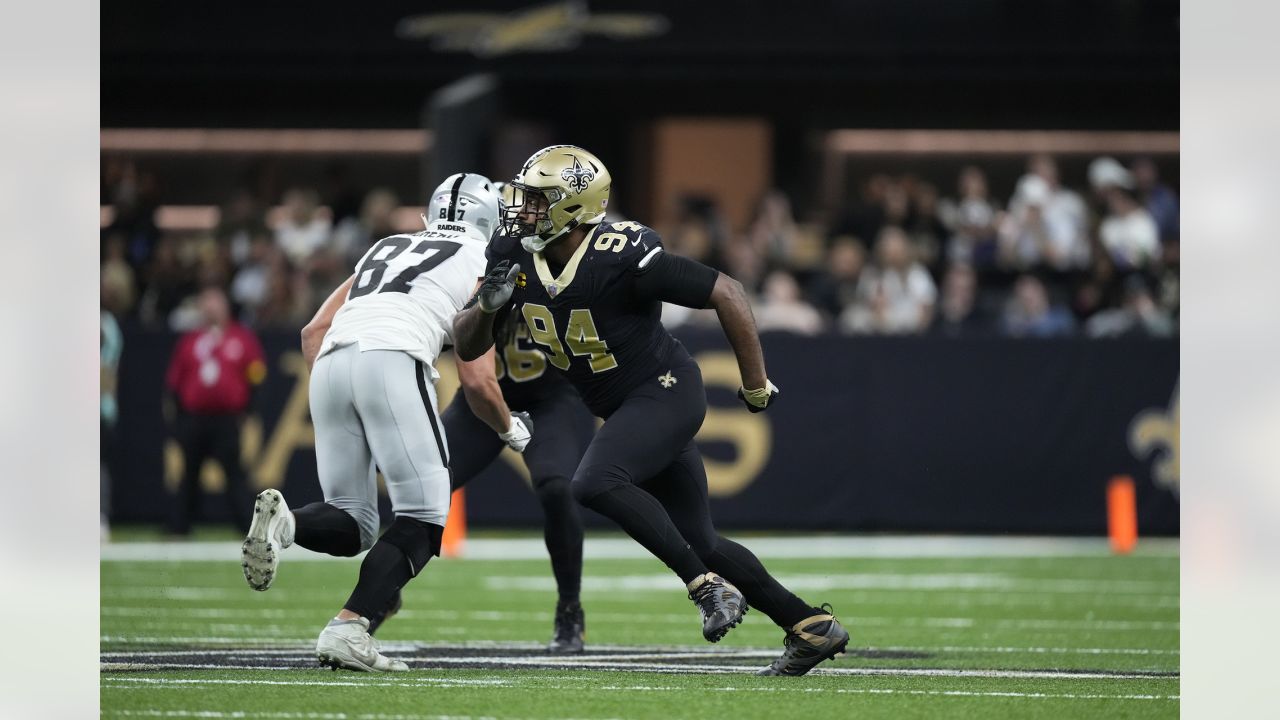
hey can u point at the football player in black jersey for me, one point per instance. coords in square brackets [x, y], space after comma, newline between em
[539, 399]
[563, 427]
[591, 294]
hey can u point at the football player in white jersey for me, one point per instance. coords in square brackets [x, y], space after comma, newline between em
[372, 348]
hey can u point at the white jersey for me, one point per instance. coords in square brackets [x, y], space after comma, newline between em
[408, 289]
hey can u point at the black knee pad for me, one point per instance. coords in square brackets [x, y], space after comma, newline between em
[590, 482]
[419, 541]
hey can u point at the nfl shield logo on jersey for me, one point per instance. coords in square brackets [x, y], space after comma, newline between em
[552, 290]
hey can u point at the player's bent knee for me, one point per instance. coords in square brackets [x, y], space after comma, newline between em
[553, 491]
[418, 540]
[704, 548]
[367, 521]
[591, 482]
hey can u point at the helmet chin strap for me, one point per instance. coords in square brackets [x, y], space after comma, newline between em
[536, 243]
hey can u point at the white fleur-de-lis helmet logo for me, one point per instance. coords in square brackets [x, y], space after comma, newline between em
[577, 176]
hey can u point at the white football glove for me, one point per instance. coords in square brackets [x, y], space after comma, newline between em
[521, 431]
[759, 399]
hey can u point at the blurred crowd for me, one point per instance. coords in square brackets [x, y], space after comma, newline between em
[901, 257]
[904, 257]
[277, 264]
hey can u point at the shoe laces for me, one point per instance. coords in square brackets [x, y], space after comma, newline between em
[793, 638]
[706, 595]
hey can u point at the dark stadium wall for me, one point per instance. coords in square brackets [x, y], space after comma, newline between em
[911, 63]
[876, 434]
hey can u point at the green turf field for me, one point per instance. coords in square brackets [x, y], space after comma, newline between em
[1012, 628]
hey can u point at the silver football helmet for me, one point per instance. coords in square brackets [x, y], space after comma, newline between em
[466, 199]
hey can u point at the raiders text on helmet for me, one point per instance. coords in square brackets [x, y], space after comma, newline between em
[466, 199]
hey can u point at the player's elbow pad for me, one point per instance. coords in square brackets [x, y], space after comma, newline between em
[675, 279]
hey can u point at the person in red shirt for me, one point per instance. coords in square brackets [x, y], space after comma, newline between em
[210, 382]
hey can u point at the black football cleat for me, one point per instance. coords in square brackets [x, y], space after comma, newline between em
[721, 603]
[809, 642]
[571, 629]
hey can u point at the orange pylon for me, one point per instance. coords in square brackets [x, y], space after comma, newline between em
[455, 529]
[1122, 514]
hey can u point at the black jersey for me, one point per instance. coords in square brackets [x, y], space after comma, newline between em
[588, 318]
[523, 372]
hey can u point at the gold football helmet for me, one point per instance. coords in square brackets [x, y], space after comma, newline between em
[559, 188]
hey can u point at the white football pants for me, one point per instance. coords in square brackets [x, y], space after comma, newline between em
[378, 409]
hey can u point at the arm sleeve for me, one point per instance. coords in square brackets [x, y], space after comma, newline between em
[671, 278]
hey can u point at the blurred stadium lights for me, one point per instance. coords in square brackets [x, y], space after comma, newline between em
[993, 142]
[204, 140]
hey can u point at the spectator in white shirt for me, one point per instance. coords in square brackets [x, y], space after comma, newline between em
[1024, 240]
[897, 296]
[1065, 216]
[783, 309]
[1128, 232]
[304, 229]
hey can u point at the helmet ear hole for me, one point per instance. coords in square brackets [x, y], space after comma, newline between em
[573, 208]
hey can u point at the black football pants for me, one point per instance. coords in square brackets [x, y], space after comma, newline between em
[562, 427]
[202, 437]
[643, 470]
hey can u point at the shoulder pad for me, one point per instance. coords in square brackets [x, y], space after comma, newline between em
[627, 241]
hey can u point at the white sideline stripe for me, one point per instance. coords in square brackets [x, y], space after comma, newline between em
[411, 647]
[622, 548]
[969, 598]
[631, 618]
[183, 683]
[297, 715]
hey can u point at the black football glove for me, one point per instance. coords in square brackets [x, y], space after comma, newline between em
[757, 400]
[496, 288]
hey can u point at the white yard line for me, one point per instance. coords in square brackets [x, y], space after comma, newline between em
[131, 683]
[644, 662]
[412, 647]
[621, 548]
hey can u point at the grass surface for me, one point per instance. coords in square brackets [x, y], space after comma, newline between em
[1082, 636]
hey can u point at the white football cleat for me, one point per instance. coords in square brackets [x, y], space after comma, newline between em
[348, 644]
[271, 532]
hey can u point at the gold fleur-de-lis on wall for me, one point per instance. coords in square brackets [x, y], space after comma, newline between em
[1155, 432]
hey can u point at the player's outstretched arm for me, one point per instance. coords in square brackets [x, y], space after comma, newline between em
[313, 333]
[473, 327]
[671, 278]
[472, 333]
[484, 397]
[483, 394]
[734, 310]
